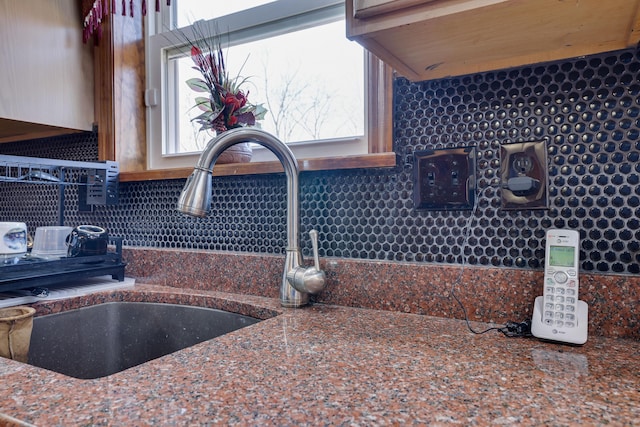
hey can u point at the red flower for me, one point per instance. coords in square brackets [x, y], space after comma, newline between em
[232, 103]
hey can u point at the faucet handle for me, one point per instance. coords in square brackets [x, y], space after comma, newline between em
[314, 245]
[310, 280]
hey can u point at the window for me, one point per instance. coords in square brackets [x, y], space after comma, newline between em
[301, 67]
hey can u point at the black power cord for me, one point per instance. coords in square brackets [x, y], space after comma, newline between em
[466, 317]
[511, 329]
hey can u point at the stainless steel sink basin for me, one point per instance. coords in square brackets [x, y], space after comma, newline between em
[100, 340]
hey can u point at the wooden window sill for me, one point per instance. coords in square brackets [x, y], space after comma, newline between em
[378, 160]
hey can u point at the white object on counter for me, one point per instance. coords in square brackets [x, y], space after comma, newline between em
[13, 239]
[51, 241]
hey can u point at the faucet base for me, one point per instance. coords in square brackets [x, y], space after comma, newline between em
[287, 304]
[290, 297]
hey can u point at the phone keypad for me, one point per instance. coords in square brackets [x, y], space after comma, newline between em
[560, 299]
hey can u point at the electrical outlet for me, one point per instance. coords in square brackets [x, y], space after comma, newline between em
[524, 176]
[444, 179]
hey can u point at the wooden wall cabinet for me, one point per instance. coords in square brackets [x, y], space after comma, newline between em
[46, 72]
[429, 39]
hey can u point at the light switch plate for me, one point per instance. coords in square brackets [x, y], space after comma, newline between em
[524, 176]
[445, 179]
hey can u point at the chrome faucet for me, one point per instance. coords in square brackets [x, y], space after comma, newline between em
[297, 281]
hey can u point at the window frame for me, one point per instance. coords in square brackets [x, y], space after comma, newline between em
[378, 96]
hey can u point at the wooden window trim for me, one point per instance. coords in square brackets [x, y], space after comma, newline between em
[121, 125]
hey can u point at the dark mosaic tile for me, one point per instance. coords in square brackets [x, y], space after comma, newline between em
[588, 109]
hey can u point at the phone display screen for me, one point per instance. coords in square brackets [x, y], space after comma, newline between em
[561, 256]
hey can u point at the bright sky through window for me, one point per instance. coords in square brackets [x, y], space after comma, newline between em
[311, 81]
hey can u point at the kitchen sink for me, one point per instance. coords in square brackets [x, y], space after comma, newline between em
[100, 340]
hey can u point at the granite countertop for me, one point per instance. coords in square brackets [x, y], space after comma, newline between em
[331, 365]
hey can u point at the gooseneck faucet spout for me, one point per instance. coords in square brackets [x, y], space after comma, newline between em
[297, 281]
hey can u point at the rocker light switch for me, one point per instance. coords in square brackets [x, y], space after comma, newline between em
[444, 179]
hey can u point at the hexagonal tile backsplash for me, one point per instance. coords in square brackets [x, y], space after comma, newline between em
[588, 110]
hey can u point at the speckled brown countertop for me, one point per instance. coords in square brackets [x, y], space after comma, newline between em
[330, 365]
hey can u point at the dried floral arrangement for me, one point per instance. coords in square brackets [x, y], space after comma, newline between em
[226, 105]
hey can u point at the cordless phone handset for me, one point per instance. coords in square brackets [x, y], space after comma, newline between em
[558, 314]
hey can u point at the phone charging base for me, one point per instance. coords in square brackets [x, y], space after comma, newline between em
[576, 335]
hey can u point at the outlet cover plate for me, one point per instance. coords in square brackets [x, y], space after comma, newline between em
[524, 176]
[445, 179]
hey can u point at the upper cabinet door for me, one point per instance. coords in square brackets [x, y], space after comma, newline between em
[46, 77]
[428, 39]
